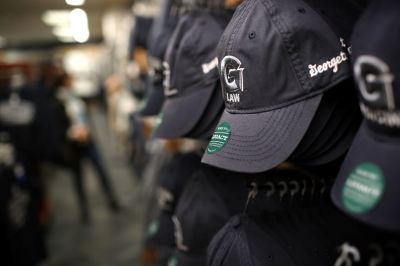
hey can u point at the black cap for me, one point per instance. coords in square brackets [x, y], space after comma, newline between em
[368, 183]
[191, 74]
[273, 78]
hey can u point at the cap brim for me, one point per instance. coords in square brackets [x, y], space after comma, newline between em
[382, 151]
[189, 259]
[154, 101]
[180, 114]
[336, 147]
[261, 141]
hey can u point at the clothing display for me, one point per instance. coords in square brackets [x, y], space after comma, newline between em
[287, 73]
[239, 133]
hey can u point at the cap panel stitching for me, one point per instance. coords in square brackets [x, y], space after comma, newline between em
[290, 44]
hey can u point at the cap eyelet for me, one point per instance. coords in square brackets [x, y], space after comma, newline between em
[252, 35]
[301, 10]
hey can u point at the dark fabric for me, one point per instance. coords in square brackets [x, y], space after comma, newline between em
[211, 197]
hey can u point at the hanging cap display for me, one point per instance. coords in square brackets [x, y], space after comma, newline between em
[368, 183]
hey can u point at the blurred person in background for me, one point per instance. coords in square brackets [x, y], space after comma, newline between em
[80, 145]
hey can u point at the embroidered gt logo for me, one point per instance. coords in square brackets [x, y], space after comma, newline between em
[375, 81]
[168, 91]
[232, 73]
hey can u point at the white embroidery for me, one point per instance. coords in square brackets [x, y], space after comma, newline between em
[207, 67]
[229, 66]
[378, 75]
[179, 235]
[381, 117]
[333, 63]
[232, 77]
[168, 91]
[330, 64]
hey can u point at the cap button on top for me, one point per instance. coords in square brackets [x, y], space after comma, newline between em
[252, 35]
[301, 10]
[236, 222]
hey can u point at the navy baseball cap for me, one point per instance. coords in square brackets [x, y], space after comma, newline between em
[174, 178]
[161, 32]
[273, 78]
[205, 127]
[367, 187]
[332, 129]
[310, 236]
[191, 74]
[160, 231]
[209, 200]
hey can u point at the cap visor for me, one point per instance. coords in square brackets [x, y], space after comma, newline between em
[383, 151]
[206, 125]
[261, 141]
[154, 102]
[182, 113]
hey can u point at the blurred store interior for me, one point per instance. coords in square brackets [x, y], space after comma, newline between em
[84, 204]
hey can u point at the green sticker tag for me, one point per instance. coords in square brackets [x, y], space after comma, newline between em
[159, 119]
[363, 188]
[219, 138]
[173, 261]
[153, 227]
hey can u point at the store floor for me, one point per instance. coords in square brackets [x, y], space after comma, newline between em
[110, 238]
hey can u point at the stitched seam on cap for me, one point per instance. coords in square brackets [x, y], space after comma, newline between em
[289, 43]
[228, 155]
[232, 39]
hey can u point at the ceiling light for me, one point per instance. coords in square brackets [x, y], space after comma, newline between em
[79, 25]
[62, 32]
[56, 17]
[75, 2]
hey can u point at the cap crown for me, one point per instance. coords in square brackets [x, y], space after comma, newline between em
[200, 214]
[376, 63]
[277, 52]
[191, 59]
